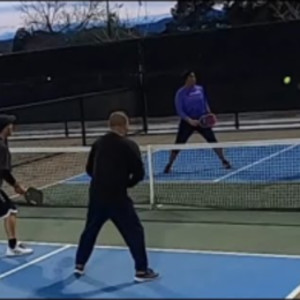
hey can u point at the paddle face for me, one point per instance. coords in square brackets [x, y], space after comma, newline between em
[34, 196]
[208, 121]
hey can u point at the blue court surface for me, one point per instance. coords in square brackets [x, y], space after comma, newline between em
[256, 164]
[184, 274]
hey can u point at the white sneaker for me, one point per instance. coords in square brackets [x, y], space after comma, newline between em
[18, 250]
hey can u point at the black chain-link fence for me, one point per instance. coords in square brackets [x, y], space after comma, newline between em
[241, 68]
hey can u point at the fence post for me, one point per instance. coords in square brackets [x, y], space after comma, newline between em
[236, 120]
[66, 129]
[141, 79]
[82, 121]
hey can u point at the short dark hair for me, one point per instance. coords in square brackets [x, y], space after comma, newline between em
[186, 74]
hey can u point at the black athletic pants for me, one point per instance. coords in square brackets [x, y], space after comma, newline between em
[126, 220]
[185, 130]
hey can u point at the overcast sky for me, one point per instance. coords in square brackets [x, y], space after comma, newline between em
[10, 18]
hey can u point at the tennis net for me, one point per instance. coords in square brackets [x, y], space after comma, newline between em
[264, 175]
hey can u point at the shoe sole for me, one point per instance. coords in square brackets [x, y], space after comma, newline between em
[18, 254]
[78, 274]
[141, 280]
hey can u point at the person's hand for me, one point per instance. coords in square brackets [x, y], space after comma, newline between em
[19, 189]
[193, 123]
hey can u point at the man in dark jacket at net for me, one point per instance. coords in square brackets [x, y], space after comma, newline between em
[114, 165]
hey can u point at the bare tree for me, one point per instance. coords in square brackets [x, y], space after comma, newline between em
[58, 16]
[119, 31]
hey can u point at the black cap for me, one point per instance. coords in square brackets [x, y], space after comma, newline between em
[6, 120]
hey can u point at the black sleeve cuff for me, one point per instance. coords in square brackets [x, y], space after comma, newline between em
[8, 177]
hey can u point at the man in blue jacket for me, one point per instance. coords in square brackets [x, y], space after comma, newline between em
[191, 104]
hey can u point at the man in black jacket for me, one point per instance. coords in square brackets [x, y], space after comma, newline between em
[114, 164]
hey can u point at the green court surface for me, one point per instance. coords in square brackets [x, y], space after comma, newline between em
[232, 231]
[277, 196]
[269, 196]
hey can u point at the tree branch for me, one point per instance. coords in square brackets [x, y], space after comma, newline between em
[48, 14]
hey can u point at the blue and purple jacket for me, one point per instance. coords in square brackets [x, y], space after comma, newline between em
[191, 102]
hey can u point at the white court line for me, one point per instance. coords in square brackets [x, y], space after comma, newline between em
[255, 163]
[53, 184]
[293, 293]
[61, 181]
[35, 261]
[172, 250]
[70, 179]
[172, 181]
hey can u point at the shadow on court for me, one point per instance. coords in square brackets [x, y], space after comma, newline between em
[56, 290]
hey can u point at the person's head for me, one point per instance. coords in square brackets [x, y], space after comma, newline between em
[6, 125]
[119, 122]
[189, 78]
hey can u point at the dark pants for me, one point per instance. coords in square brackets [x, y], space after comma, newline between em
[127, 222]
[186, 130]
[7, 207]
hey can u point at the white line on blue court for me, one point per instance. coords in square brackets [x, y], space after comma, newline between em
[255, 163]
[35, 261]
[293, 293]
[172, 250]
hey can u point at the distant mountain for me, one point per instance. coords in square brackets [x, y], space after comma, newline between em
[7, 35]
[146, 20]
[153, 27]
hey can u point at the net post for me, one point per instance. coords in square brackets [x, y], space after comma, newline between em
[66, 128]
[151, 177]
